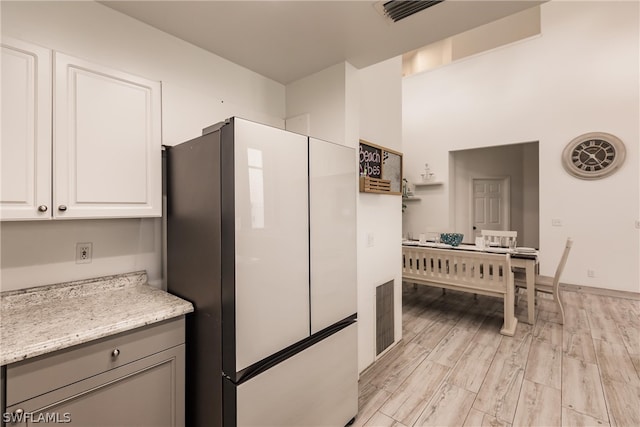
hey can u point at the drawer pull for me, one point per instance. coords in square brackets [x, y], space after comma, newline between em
[115, 353]
[19, 412]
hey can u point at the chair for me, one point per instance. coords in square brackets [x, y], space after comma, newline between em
[546, 284]
[499, 237]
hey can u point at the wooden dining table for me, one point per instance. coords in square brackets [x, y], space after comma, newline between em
[524, 258]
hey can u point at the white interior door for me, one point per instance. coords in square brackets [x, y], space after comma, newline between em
[333, 233]
[491, 204]
[272, 240]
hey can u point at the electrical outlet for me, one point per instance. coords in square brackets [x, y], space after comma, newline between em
[556, 222]
[83, 253]
[371, 241]
[591, 273]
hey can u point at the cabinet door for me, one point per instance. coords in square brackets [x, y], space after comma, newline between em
[147, 392]
[107, 142]
[25, 150]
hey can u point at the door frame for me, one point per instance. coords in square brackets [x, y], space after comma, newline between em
[506, 200]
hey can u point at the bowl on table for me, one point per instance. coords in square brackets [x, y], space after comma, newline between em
[453, 239]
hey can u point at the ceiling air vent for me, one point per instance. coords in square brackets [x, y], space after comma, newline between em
[400, 9]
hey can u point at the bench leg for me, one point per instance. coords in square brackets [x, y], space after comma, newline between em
[510, 321]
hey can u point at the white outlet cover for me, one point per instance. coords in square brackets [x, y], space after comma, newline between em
[84, 252]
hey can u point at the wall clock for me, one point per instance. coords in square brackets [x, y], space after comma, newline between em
[593, 155]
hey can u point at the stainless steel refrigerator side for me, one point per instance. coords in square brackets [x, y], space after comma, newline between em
[228, 279]
[194, 268]
[228, 241]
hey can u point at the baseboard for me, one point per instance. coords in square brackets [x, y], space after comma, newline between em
[385, 351]
[600, 291]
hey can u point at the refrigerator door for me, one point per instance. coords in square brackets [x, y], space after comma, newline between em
[317, 387]
[271, 240]
[332, 170]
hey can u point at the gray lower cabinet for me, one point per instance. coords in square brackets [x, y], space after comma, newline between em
[131, 379]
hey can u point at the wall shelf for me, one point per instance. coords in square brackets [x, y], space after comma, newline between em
[424, 184]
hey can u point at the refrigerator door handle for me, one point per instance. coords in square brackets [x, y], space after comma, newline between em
[271, 361]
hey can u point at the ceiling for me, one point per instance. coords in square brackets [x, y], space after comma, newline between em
[288, 40]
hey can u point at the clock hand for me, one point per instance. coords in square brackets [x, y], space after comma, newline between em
[593, 156]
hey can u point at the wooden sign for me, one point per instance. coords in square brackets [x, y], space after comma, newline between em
[380, 169]
[370, 160]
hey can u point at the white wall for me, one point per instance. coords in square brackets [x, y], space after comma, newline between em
[198, 89]
[322, 96]
[581, 75]
[379, 215]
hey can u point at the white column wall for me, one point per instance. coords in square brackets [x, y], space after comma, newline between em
[379, 216]
[321, 96]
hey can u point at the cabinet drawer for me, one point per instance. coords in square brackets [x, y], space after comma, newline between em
[148, 392]
[48, 372]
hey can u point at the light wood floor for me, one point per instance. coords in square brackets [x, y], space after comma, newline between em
[453, 368]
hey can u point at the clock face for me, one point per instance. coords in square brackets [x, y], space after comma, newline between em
[593, 155]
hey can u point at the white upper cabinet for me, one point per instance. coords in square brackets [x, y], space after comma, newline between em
[107, 142]
[25, 147]
[101, 154]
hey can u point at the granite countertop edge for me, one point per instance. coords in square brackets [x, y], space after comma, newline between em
[45, 319]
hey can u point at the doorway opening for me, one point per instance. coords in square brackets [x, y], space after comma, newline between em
[507, 178]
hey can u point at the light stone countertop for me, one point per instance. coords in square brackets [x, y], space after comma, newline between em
[44, 319]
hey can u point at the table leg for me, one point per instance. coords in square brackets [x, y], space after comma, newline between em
[510, 320]
[531, 291]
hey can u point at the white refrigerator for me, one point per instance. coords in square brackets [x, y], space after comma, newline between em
[262, 240]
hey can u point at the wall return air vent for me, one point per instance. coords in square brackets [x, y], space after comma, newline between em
[400, 9]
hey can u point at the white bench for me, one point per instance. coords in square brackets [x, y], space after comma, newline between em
[476, 272]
